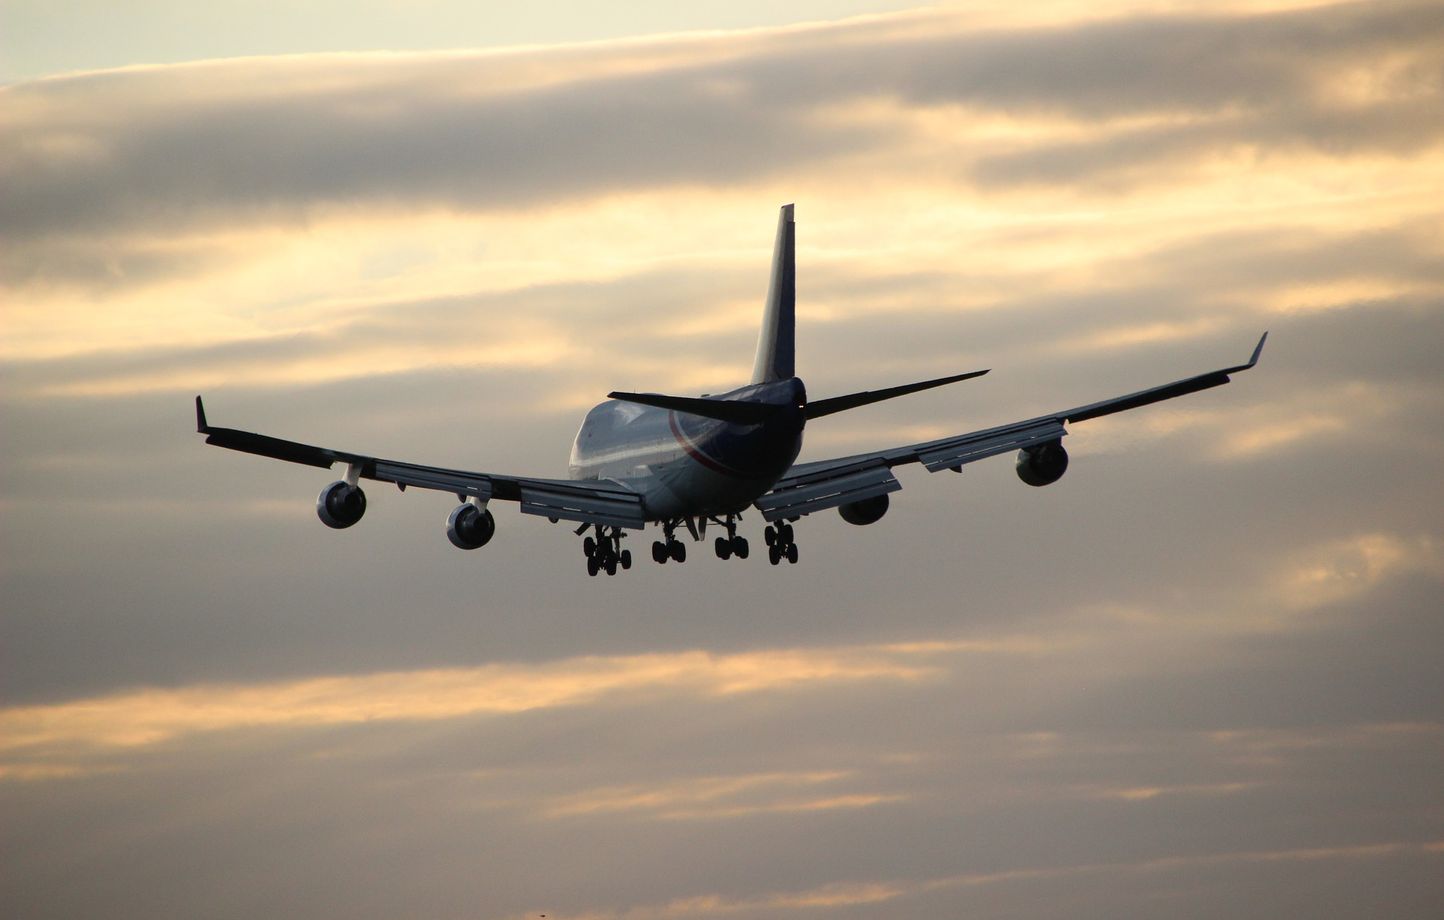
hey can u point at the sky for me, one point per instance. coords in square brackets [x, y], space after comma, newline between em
[1200, 676]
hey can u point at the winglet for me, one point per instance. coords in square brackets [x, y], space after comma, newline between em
[201, 425]
[1258, 350]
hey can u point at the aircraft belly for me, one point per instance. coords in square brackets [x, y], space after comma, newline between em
[685, 488]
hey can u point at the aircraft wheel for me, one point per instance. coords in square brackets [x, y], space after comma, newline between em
[678, 551]
[589, 546]
[769, 535]
[592, 566]
[792, 554]
[784, 533]
[724, 548]
[739, 546]
[659, 551]
[774, 555]
[626, 559]
[611, 565]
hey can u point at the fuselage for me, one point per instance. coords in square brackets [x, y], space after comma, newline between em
[687, 465]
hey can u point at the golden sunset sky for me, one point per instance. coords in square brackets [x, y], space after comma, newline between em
[1200, 676]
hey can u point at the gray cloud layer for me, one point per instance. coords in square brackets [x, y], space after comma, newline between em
[1197, 677]
[185, 145]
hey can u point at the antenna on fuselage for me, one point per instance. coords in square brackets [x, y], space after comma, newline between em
[776, 344]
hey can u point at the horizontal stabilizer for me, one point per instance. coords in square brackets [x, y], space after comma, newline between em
[823, 407]
[740, 413]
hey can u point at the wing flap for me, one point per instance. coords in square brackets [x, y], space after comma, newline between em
[804, 494]
[609, 506]
[462, 483]
[954, 452]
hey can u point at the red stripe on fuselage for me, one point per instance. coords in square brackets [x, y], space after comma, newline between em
[695, 453]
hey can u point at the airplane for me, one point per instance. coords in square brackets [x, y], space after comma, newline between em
[684, 462]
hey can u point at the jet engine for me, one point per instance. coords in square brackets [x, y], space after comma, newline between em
[470, 527]
[340, 505]
[1043, 464]
[867, 511]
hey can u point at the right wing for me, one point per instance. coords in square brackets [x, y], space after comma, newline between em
[817, 486]
[589, 502]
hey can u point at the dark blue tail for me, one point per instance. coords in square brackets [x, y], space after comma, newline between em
[776, 345]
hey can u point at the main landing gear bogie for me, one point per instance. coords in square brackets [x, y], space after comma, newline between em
[781, 544]
[730, 545]
[604, 551]
[727, 547]
[669, 548]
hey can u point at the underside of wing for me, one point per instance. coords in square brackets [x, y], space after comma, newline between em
[827, 485]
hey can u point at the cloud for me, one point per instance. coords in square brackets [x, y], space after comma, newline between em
[274, 140]
[154, 716]
[1198, 675]
[719, 797]
[899, 894]
[1344, 570]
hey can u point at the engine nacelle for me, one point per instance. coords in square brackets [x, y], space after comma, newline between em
[1043, 464]
[340, 505]
[867, 511]
[470, 527]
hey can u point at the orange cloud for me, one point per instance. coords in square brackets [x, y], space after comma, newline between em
[36, 735]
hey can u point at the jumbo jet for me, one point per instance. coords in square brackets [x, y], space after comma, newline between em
[684, 461]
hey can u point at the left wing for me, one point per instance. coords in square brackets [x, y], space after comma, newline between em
[589, 502]
[816, 486]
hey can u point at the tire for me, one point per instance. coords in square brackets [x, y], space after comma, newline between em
[724, 548]
[592, 566]
[589, 546]
[678, 551]
[659, 552]
[774, 556]
[626, 559]
[611, 565]
[770, 536]
[792, 554]
[739, 546]
[784, 534]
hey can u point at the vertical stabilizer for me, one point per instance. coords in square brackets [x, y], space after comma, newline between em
[776, 343]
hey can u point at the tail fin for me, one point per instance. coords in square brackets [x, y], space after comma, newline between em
[777, 342]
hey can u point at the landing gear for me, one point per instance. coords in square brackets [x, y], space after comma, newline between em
[604, 551]
[780, 543]
[669, 547]
[730, 545]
